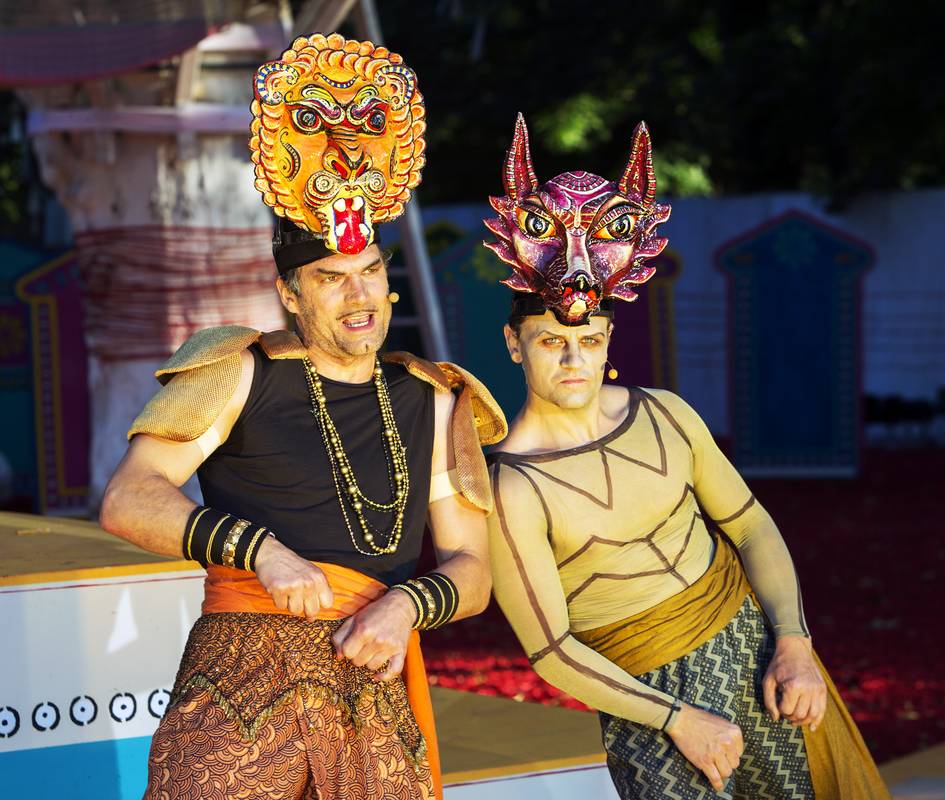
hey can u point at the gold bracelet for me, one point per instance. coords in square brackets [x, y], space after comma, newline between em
[214, 534]
[232, 539]
[252, 544]
[441, 618]
[450, 597]
[190, 534]
[453, 596]
[431, 607]
[415, 600]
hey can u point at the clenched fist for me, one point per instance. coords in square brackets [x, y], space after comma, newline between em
[710, 743]
[293, 583]
[378, 634]
[793, 686]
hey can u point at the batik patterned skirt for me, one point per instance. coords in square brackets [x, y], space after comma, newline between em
[722, 676]
[262, 708]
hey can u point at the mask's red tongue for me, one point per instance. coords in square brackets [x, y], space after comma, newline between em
[348, 227]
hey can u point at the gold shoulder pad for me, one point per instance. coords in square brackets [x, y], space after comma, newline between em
[198, 380]
[206, 347]
[477, 420]
[490, 423]
[491, 426]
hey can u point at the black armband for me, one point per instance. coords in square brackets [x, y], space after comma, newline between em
[434, 598]
[214, 537]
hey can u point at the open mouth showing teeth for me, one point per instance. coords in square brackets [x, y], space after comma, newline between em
[358, 321]
[350, 229]
[580, 293]
[579, 302]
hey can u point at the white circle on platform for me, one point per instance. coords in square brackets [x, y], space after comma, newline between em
[123, 707]
[9, 722]
[83, 710]
[158, 701]
[45, 716]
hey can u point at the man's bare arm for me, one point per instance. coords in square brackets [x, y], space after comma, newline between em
[144, 504]
[460, 533]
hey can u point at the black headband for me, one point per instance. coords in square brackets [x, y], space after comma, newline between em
[527, 304]
[293, 247]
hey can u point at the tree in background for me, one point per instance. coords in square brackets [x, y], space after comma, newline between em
[835, 97]
[14, 168]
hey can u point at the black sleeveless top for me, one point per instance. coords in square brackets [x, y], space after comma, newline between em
[273, 469]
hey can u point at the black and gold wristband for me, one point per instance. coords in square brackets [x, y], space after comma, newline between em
[214, 537]
[446, 597]
[419, 604]
[434, 597]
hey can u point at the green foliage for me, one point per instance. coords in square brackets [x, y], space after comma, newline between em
[681, 177]
[576, 125]
[12, 159]
[837, 97]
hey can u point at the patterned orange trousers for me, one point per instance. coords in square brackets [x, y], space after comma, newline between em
[262, 710]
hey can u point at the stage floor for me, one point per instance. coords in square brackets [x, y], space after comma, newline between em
[486, 737]
[491, 738]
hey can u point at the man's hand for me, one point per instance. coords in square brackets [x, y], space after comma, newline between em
[794, 675]
[710, 743]
[293, 583]
[378, 634]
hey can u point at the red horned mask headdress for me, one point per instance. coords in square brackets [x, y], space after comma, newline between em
[577, 239]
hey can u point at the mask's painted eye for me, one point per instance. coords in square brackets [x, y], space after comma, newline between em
[307, 120]
[619, 228]
[376, 121]
[535, 225]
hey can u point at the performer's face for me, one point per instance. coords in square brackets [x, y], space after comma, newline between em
[342, 307]
[563, 364]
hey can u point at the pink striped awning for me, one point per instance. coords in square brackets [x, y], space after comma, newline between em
[56, 55]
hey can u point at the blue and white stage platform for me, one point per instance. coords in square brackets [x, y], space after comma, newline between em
[93, 629]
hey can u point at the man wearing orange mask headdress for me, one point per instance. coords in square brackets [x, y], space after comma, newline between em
[319, 465]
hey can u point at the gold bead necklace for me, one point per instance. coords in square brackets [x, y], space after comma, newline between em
[342, 471]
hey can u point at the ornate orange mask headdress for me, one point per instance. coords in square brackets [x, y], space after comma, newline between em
[337, 137]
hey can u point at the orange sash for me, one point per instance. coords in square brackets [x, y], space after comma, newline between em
[233, 590]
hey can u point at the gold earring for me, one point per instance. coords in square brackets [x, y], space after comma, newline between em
[393, 297]
[611, 373]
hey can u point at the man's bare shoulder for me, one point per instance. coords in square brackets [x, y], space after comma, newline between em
[615, 401]
[518, 440]
[527, 439]
[673, 407]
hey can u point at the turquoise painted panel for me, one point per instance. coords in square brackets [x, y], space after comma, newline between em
[794, 325]
[110, 770]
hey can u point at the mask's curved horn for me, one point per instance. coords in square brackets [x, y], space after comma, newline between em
[519, 176]
[638, 176]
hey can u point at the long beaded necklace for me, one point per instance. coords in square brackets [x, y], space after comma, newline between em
[343, 473]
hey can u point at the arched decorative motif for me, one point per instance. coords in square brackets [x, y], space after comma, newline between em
[795, 346]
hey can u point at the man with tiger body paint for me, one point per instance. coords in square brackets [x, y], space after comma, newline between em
[636, 567]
